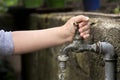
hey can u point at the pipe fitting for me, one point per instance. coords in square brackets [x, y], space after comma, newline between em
[77, 47]
[101, 47]
[110, 59]
[108, 50]
[73, 47]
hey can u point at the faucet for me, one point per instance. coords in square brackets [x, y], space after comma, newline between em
[77, 46]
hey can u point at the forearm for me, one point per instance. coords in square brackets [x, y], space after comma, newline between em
[27, 41]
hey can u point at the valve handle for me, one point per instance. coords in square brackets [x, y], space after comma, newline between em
[77, 33]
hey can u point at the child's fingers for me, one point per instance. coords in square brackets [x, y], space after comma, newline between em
[84, 28]
[86, 36]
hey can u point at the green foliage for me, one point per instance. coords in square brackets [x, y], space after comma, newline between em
[10, 2]
[4, 4]
[73, 0]
[33, 3]
[116, 10]
[55, 3]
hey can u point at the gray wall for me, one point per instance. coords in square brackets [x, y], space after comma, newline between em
[88, 66]
[43, 65]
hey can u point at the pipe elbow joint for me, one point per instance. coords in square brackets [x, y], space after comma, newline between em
[108, 50]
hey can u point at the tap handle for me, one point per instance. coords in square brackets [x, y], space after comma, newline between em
[77, 33]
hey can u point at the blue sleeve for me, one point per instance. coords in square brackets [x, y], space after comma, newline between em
[6, 43]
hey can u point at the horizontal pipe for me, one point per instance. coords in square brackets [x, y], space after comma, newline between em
[101, 47]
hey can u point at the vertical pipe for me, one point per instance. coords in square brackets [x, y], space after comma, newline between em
[110, 60]
[110, 70]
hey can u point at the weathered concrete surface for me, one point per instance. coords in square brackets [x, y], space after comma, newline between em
[83, 66]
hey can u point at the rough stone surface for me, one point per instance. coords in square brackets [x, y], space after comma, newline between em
[43, 65]
[83, 66]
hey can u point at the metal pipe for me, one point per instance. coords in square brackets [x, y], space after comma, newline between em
[101, 47]
[110, 59]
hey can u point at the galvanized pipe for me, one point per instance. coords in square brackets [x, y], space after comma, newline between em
[101, 47]
[110, 59]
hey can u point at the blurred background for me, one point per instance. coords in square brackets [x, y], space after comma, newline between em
[107, 6]
[19, 7]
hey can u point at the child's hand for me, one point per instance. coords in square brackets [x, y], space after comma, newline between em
[83, 26]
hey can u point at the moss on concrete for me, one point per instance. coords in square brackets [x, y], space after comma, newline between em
[83, 66]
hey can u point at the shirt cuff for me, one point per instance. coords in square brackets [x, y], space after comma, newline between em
[6, 43]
